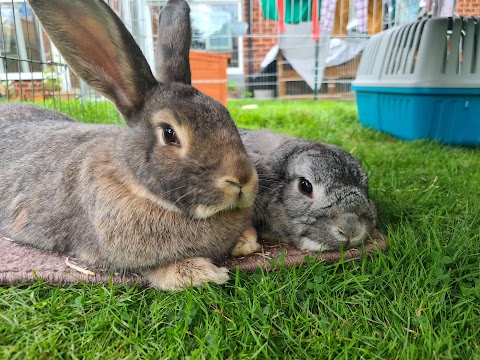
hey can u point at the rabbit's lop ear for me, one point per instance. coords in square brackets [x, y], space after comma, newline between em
[174, 40]
[99, 49]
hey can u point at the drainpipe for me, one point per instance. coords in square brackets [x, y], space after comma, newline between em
[250, 46]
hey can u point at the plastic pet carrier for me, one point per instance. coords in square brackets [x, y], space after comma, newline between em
[422, 80]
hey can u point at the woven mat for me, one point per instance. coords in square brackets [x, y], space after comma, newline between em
[21, 264]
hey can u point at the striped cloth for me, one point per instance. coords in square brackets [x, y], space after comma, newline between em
[327, 14]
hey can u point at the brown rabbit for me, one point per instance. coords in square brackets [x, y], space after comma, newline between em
[160, 197]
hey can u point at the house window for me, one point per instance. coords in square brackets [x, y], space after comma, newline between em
[216, 27]
[21, 45]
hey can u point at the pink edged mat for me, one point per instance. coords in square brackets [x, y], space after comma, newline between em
[21, 264]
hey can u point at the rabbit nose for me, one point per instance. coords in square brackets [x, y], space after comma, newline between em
[243, 191]
[245, 175]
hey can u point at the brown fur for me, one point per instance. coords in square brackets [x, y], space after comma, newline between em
[20, 222]
[122, 198]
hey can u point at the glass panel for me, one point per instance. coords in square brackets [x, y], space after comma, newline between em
[212, 26]
[19, 39]
[215, 26]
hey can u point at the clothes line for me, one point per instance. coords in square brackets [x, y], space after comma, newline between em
[334, 16]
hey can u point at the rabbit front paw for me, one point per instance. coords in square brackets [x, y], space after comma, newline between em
[247, 243]
[185, 273]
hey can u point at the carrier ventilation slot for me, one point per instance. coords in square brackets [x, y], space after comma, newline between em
[402, 52]
[476, 30]
[452, 52]
[460, 53]
[416, 45]
[393, 51]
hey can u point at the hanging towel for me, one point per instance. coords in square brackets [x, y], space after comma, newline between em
[315, 19]
[327, 15]
[295, 11]
[361, 9]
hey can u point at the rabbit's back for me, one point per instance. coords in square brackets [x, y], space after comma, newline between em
[18, 113]
[30, 136]
[41, 152]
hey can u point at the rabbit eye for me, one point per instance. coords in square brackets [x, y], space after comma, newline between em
[305, 187]
[169, 136]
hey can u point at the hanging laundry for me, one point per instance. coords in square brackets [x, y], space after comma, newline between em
[443, 8]
[281, 16]
[293, 12]
[362, 8]
[369, 15]
[296, 11]
[327, 15]
[315, 19]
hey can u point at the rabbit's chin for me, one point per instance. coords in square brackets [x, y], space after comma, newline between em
[310, 245]
[306, 244]
[206, 211]
[337, 241]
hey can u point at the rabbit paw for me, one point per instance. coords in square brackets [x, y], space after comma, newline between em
[247, 243]
[186, 273]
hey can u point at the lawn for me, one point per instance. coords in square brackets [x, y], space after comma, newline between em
[418, 300]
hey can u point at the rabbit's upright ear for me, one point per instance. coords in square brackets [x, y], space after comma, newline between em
[99, 49]
[174, 39]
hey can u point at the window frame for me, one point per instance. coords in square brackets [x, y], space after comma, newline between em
[23, 73]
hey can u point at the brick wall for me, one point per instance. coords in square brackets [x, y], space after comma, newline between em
[25, 89]
[263, 35]
[468, 7]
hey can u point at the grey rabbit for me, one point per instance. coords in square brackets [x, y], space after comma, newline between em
[161, 197]
[313, 195]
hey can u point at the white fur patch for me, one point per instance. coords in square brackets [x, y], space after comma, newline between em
[204, 212]
[307, 244]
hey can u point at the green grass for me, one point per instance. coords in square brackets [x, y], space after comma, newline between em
[418, 300]
[86, 111]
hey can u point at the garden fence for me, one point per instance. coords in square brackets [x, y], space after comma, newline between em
[269, 53]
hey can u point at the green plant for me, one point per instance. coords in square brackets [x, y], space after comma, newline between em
[247, 95]
[9, 89]
[231, 86]
[52, 80]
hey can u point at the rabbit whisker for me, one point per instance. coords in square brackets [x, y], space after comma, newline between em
[184, 195]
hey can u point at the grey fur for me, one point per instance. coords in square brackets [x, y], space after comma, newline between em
[340, 201]
[173, 43]
[122, 198]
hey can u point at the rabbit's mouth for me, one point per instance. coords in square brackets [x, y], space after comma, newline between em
[235, 195]
[348, 239]
[340, 238]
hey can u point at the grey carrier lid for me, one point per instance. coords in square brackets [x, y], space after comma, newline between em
[430, 53]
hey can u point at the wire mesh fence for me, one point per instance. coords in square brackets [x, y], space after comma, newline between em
[260, 49]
